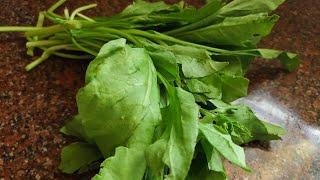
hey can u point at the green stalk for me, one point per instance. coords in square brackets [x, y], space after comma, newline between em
[89, 51]
[54, 15]
[45, 32]
[174, 40]
[47, 53]
[66, 13]
[85, 17]
[98, 35]
[17, 28]
[40, 22]
[83, 8]
[120, 33]
[60, 36]
[196, 25]
[89, 43]
[72, 56]
[51, 18]
[44, 43]
[56, 5]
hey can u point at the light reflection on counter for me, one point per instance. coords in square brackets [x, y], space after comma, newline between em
[296, 156]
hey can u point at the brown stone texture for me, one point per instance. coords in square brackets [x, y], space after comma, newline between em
[34, 105]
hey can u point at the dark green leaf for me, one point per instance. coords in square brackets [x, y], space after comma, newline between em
[243, 31]
[245, 7]
[165, 63]
[127, 163]
[289, 60]
[121, 90]
[233, 87]
[223, 144]
[78, 155]
[242, 114]
[215, 164]
[175, 148]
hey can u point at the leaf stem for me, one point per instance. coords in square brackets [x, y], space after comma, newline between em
[44, 43]
[81, 9]
[70, 56]
[122, 34]
[56, 5]
[45, 32]
[83, 48]
[40, 22]
[66, 13]
[17, 28]
[85, 17]
[46, 54]
[174, 40]
[90, 43]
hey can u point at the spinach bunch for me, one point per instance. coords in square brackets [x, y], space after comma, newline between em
[156, 100]
[146, 124]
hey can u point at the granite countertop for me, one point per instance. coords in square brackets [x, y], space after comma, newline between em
[34, 105]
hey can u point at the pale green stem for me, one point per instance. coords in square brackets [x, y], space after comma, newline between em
[66, 13]
[40, 22]
[45, 32]
[83, 48]
[56, 5]
[122, 34]
[85, 17]
[83, 8]
[96, 45]
[17, 28]
[46, 54]
[70, 56]
[174, 40]
[44, 43]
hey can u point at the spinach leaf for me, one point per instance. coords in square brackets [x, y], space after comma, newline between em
[233, 87]
[78, 155]
[289, 60]
[222, 142]
[245, 7]
[121, 90]
[196, 68]
[143, 14]
[119, 105]
[175, 147]
[215, 164]
[74, 128]
[131, 160]
[127, 163]
[243, 31]
[219, 86]
[138, 109]
[199, 170]
[195, 62]
[208, 90]
[165, 63]
[242, 114]
[238, 65]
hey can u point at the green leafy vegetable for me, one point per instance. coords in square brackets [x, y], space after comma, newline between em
[70, 161]
[214, 161]
[233, 31]
[157, 94]
[221, 141]
[175, 147]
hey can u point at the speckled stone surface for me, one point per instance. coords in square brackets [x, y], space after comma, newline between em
[35, 105]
